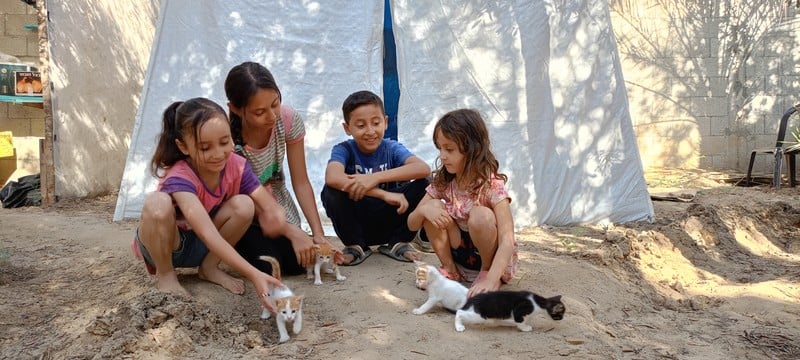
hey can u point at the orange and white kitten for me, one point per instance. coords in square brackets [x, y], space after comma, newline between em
[289, 306]
[325, 262]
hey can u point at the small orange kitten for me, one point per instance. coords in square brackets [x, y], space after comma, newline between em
[324, 260]
[288, 305]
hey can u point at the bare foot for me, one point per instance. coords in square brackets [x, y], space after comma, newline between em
[168, 283]
[413, 255]
[347, 259]
[221, 278]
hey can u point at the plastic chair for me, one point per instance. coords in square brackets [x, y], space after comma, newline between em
[779, 152]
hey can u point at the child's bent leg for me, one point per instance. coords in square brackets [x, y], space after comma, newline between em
[342, 212]
[441, 244]
[483, 232]
[232, 220]
[159, 234]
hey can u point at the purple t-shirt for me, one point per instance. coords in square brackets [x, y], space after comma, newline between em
[237, 177]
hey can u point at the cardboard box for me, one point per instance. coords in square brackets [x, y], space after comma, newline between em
[28, 83]
[8, 80]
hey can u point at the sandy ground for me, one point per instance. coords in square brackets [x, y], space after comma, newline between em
[716, 276]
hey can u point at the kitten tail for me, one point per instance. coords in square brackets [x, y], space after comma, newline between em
[276, 267]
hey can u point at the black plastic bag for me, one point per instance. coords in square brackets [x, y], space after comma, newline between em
[24, 192]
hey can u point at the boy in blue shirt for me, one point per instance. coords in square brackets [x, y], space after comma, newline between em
[372, 184]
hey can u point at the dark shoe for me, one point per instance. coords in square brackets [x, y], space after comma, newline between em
[397, 251]
[359, 254]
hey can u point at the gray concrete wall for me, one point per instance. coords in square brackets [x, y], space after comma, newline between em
[99, 55]
[693, 105]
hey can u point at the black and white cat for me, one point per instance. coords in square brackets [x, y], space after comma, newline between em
[507, 308]
[441, 291]
[289, 306]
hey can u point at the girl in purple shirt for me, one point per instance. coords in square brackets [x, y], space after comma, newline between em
[206, 199]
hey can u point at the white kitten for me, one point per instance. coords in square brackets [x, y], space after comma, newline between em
[289, 306]
[324, 256]
[442, 291]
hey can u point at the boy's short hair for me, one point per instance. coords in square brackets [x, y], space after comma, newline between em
[360, 98]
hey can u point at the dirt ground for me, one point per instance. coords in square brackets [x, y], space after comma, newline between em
[715, 276]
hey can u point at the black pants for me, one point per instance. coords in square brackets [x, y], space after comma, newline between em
[254, 244]
[371, 221]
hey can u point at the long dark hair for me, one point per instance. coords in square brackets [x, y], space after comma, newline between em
[467, 129]
[181, 118]
[242, 82]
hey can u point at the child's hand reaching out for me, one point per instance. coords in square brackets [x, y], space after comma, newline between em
[262, 281]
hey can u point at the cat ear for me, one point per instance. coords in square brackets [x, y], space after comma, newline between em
[419, 263]
[556, 298]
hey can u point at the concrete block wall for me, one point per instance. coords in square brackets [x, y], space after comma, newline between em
[676, 64]
[25, 122]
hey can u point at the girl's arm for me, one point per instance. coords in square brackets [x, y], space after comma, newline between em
[201, 223]
[416, 218]
[296, 157]
[271, 215]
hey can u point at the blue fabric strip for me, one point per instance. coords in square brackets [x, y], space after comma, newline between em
[391, 83]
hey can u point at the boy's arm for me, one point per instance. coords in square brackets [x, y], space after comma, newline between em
[335, 176]
[413, 168]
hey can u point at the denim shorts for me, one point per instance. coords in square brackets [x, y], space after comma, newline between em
[190, 253]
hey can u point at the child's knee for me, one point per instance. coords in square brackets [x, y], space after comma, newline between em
[481, 217]
[242, 206]
[158, 206]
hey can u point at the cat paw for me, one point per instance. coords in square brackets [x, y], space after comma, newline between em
[417, 311]
[460, 327]
[341, 278]
[317, 282]
[310, 276]
[283, 339]
[524, 327]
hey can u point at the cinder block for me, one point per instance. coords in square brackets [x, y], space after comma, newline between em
[25, 112]
[14, 45]
[37, 127]
[13, 7]
[21, 127]
[33, 46]
[15, 24]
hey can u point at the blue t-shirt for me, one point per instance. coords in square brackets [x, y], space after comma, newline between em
[389, 155]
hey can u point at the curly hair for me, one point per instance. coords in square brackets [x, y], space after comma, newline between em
[467, 129]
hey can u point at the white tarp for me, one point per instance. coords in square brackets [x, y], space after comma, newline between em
[545, 74]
